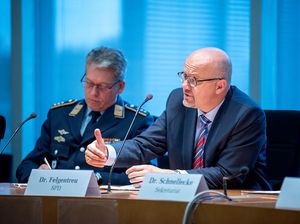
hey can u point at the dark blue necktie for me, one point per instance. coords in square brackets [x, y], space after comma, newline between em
[95, 115]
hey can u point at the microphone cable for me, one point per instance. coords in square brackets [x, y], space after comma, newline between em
[207, 195]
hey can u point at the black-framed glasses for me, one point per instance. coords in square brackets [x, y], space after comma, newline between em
[192, 81]
[102, 87]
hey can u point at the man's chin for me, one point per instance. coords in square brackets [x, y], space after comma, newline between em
[95, 108]
[188, 104]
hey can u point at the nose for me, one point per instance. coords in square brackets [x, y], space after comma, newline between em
[186, 84]
[95, 90]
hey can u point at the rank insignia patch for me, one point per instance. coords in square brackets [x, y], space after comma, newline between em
[119, 111]
[76, 110]
[63, 132]
[59, 139]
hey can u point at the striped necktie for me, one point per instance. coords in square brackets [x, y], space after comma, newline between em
[199, 149]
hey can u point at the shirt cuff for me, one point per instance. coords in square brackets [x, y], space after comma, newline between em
[111, 155]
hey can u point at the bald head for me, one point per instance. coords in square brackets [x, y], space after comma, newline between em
[207, 74]
[212, 60]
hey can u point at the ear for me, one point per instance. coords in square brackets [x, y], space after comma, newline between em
[221, 86]
[121, 86]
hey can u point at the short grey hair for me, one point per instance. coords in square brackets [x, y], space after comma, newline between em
[104, 57]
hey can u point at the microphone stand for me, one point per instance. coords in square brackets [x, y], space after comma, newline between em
[243, 171]
[149, 97]
[33, 115]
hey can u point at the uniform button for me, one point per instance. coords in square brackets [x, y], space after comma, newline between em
[55, 152]
[77, 167]
[82, 149]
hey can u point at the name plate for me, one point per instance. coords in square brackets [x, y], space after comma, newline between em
[76, 183]
[289, 197]
[174, 187]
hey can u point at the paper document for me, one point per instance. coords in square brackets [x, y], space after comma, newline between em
[121, 188]
[18, 185]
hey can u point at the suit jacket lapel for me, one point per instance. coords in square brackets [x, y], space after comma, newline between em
[190, 120]
[217, 129]
[105, 122]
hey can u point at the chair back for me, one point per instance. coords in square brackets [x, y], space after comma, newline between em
[283, 145]
[2, 127]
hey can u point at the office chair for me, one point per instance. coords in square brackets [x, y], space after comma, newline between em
[283, 145]
[2, 127]
[5, 160]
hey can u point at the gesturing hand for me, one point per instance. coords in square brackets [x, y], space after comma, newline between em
[136, 174]
[96, 152]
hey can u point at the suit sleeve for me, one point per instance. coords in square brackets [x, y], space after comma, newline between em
[148, 145]
[140, 125]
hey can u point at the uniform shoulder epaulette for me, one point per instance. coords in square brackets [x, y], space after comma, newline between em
[134, 109]
[62, 104]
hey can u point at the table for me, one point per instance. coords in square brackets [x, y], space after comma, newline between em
[124, 207]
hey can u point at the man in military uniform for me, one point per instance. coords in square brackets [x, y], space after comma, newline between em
[69, 127]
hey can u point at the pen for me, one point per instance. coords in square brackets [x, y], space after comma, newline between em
[47, 163]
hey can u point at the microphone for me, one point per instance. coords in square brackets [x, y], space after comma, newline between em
[148, 97]
[243, 171]
[33, 115]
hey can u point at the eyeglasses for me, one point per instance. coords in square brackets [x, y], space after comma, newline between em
[192, 80]
[102, 87]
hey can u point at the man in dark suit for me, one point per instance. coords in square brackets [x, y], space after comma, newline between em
[70, 125]
[209, 127]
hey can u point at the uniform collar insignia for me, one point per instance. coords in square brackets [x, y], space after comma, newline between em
[119, 111]
[59, 139]
[63, 132]
[76, 110]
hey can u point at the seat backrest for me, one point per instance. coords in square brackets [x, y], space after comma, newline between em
[283, 145]
[2, 126]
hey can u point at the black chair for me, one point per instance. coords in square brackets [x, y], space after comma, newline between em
[5, 160]
[283, 145]
[2, 127]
